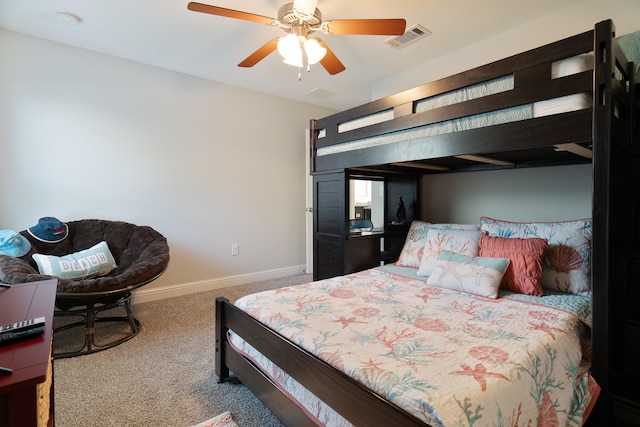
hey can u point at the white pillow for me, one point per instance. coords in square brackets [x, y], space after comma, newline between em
[92, 262]
[466, 242]
[476, 275]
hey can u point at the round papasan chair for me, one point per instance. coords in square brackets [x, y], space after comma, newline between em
[141, 255]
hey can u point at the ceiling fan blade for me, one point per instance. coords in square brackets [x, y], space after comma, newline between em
[230, 13]
[330, 62]
[260, 54]
[306, 7]
[375, 27]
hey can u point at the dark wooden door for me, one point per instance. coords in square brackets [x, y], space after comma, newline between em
[329, 231]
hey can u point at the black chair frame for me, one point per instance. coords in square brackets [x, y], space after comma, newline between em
[88, 306]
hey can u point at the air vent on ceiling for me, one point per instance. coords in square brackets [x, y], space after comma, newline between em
[320, 93]
[413, 34]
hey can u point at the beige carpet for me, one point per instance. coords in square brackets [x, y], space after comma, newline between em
[162, 377]
[223, 420]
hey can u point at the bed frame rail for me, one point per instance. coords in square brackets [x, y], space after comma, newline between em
[353, 401]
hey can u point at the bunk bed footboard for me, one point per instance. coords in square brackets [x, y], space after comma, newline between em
[353, 401]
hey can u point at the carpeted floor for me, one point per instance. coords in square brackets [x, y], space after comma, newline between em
[162, 377]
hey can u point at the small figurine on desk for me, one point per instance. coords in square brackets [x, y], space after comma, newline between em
[401, 213]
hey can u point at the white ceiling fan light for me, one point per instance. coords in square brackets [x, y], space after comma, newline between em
[291, 50]
[315, 52]
[296, 48]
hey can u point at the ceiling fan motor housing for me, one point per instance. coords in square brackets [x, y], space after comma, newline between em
[289, 17]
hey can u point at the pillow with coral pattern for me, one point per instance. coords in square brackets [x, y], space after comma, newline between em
[411, 254]
[414, 243]
[466, 242]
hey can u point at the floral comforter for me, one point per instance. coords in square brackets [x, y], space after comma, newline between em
[449, 358]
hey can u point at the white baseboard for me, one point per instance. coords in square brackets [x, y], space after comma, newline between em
[152, 294]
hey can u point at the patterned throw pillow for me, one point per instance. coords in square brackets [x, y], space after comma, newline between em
[566, 266]
[92, 262]
[476, 275]
[466, 242]
[525, 256]
[411, 254]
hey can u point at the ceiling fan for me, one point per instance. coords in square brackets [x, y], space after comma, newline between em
[299, 19]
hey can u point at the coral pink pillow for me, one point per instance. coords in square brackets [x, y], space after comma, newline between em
[525, 266]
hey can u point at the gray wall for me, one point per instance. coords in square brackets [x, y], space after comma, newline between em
[87, 135]
[557, 193]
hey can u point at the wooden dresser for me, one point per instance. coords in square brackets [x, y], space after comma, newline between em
[25, 394]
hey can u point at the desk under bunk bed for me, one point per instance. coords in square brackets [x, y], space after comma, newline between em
[570, 102]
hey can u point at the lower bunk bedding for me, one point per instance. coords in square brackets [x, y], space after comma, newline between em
[449, 358]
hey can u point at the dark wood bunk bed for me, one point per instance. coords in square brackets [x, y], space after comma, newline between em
[605, 135]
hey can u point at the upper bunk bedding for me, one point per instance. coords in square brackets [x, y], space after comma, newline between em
[559, 69]
[447, 357]
[531, 109]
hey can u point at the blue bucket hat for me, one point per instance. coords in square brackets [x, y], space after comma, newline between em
[49, 230]
[13, 243]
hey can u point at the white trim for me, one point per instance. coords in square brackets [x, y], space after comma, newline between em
[152, 294]
[309, 204]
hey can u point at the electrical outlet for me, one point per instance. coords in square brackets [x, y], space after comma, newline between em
[235, 249]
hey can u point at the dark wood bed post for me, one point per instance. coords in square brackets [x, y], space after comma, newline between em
[616, 235]
[221, 369]
[601, 203]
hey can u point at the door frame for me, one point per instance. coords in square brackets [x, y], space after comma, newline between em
[308, 205]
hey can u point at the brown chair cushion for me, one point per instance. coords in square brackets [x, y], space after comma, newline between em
[141, 254]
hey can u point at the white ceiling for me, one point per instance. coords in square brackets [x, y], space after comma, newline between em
[165, 34]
